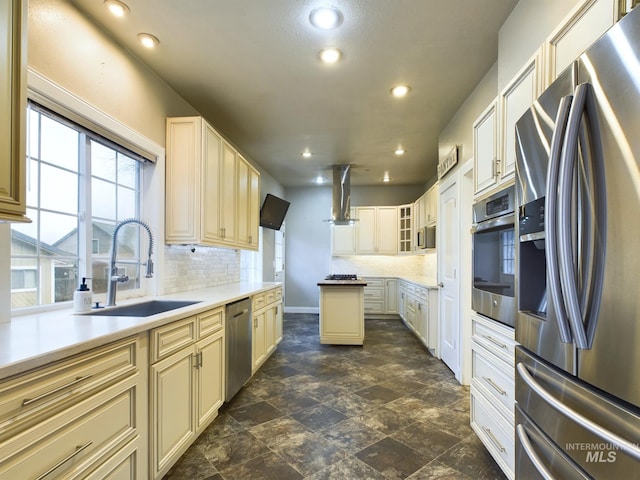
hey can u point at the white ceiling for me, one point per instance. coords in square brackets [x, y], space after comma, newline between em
[250, 67]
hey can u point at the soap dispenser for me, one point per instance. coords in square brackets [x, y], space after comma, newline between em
[82, 298]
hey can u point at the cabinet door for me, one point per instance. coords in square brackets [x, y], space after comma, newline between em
[254, 208]
[258, 340]
[173, 382]
[485, 149]
[210, 392]
[391, 295]
[270, 328]
[432, 205]
[515, 99]
[387, 230]
[228, 197]
[242, 201]
[366, 230]
[405, 229]
[585, 24]
[13, 103]
[209, 208]
[344, 238]
[278, 309]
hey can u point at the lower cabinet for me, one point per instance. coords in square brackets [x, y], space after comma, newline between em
[82, 417]
[267, 325]
[381, 296]
[492, 389]
[187, 384]
[418, 308]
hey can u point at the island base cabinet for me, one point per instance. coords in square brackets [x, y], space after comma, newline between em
[342, 315]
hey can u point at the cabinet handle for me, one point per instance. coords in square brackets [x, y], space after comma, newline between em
[494, 341]
[29, 401]
[64, 460]
[494, 385]
[198, 360]
[493, 439]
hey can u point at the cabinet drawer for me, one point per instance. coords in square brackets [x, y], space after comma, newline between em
[172, 337]
[270, 296]
[495, 380]
[494, 432]
[210, 321]
[422, 293]
[375, 282]
[373, 293]
[69, 444]
[497, 339]
[371, 306]
[26, 398]
[259, 301]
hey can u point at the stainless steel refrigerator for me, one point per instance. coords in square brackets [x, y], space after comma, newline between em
[578, 282]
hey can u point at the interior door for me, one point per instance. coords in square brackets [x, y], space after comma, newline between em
[448, 268]
[278, 259]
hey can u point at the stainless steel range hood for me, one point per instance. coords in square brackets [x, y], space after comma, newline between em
[341, 197]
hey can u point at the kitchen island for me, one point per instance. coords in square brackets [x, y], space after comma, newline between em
[342, 310]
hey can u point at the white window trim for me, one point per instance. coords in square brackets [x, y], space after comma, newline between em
[152, 204]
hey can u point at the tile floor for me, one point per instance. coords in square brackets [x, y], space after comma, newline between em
[385, 410]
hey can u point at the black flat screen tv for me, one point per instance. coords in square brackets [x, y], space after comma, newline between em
[273, 211]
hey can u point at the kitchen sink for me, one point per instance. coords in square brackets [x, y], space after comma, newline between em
[144, 309]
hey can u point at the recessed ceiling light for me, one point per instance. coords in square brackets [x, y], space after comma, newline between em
[148, 40]
[386, 178]
[319, 180]
[400, 151]
[325, 18]
[117, 8]
[330, 55]
[400, 90]
[306, 154]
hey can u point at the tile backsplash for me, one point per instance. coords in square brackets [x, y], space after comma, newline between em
[387, 265]
[206, 267]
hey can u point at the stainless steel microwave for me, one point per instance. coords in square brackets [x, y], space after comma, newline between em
[427, 237]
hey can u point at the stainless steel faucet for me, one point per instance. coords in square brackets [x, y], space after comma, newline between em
[114, 278]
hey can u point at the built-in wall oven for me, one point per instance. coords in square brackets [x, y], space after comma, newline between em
[494, 250]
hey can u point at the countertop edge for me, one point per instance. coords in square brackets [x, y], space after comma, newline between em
[33, 341]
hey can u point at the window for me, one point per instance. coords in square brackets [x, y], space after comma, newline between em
[508, 252]
[79, 185]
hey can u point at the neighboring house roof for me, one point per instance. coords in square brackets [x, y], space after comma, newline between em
[17, 236]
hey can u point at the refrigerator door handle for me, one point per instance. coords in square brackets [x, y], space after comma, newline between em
[533, 456]
[550, 222]
[623, 444]
[564, 223]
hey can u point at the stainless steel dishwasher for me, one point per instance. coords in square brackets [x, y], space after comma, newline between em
[238, 343]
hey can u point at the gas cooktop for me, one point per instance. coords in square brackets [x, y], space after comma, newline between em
[342, 276]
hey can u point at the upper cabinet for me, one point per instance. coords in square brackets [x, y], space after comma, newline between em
[583, 26]
[13, 106]
[377, 230]
[515, 99]
[212, 192]
[485, 149]
[405, 228]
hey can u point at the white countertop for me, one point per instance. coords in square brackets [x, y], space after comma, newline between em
[31, 341]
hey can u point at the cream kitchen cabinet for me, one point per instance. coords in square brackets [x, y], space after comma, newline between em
[380, 296]
[515, 99]
[486, 163]
[77, 416]
[186, 384]
[418, 308]
[406, 229]
[212, 192]
[588, 20]
[493, 390]
[266, 312]
[13, 102]
[377, 230]
[343, 238]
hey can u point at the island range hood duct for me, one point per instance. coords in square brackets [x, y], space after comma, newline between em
[341, 197]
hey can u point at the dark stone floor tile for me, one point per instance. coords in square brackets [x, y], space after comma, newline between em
[379, 394]
[318, 417]
[255, 413]
[440, 396]
[350, 468]
[223, 426]
[278, 431]
[265, 467]
[291, 401]
[193, 465]
[350, 404]
[426, 439]
[309, 452]
[352, 435]
[281, 371]
[386, 420]
[472, 458]
[438, 471]
[403, 385]
[391, 458]
[233, 450]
